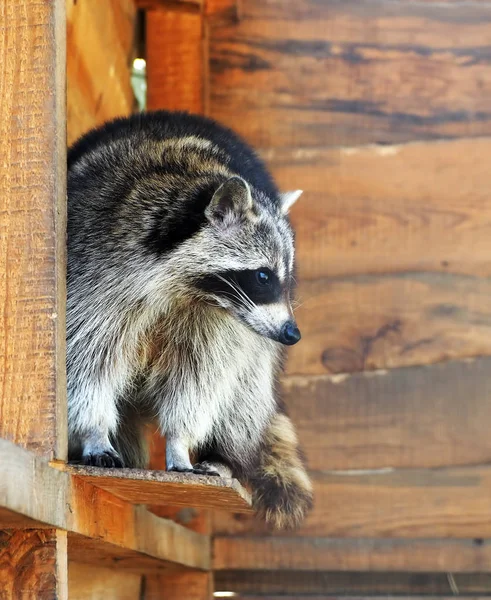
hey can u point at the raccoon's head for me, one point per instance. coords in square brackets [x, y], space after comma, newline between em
[247, 256]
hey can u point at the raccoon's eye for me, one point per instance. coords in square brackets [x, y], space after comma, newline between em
[263, 276]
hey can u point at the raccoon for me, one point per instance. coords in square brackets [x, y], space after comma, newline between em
[180, 277]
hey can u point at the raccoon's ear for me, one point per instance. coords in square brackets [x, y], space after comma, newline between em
[288, 199]
[231, 203]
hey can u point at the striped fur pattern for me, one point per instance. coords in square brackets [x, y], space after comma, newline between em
[180, 278]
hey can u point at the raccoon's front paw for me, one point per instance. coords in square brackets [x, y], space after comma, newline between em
[109, 459]
[205, 468]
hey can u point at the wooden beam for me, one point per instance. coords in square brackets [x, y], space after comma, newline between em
[428, 416]
[103, 528]
[299, 73]
[32, 277]
[327, 554]
[179, 586]
[406, 503]
[175, 60]
[33, 564]
[389, 585]
[140, 486]
[32, 212]
[90, 582]
[175, 5]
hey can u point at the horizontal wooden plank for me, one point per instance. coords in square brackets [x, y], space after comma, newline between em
[117, 530]
[309, 596]
[89, 582]
[98, 81]
[328, 554]
[429, 416]
[406, 503]
[140, 486]
[297, 583]
[376, 209]
[363, 322]
[348, 72]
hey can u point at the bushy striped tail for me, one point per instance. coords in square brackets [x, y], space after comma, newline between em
[281, 488]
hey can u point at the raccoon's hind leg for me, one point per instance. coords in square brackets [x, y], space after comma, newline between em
[178, 459]
[281, 488]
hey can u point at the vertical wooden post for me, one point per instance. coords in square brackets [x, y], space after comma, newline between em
[32, 235]
[32, 270]
[175, 59]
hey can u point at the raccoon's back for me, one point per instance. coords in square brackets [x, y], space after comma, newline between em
[127, 135]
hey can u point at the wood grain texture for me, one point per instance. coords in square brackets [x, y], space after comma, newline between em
[175, 60]
[33, 565]
[388, 585]
[429, 416]
[32, 213]
[140, 486]
[407, 503]
[179, 586]
[100, 49]
[88, 582]
[348, 72]
[328, 554]
[365, 322]
[375, 209]
[103, 529]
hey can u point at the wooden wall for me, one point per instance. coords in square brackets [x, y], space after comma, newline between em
[100, 52]
[379, 110]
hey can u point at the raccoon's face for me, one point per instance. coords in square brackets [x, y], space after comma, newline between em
[249, 269]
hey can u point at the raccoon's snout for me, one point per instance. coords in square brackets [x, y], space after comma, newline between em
[289, 334]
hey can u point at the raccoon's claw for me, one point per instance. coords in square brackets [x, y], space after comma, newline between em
[107, 459]
[205, 469]
[179, 470]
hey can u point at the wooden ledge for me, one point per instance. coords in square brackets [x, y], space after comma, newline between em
[140, 486]
[105, 528]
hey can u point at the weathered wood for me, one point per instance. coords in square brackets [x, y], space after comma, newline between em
[416, 207]
[364, 322]
[88, 582]
[170, 4]
[309, 596]
[118, 532]
[355, 323]
[175, 65]
[406, 503]
[33, 564]
[99, 86]
[140, 486]
[328, 554]
[348, 72]
[32, 213]
[429, 416]
[179, 586]
[351, 584]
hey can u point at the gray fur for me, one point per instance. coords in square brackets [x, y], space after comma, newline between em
[146, 341]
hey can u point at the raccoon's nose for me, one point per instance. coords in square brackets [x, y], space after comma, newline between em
[290, 333]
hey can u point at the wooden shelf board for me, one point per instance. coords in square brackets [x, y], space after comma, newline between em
[102, 527]
[140, 486]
